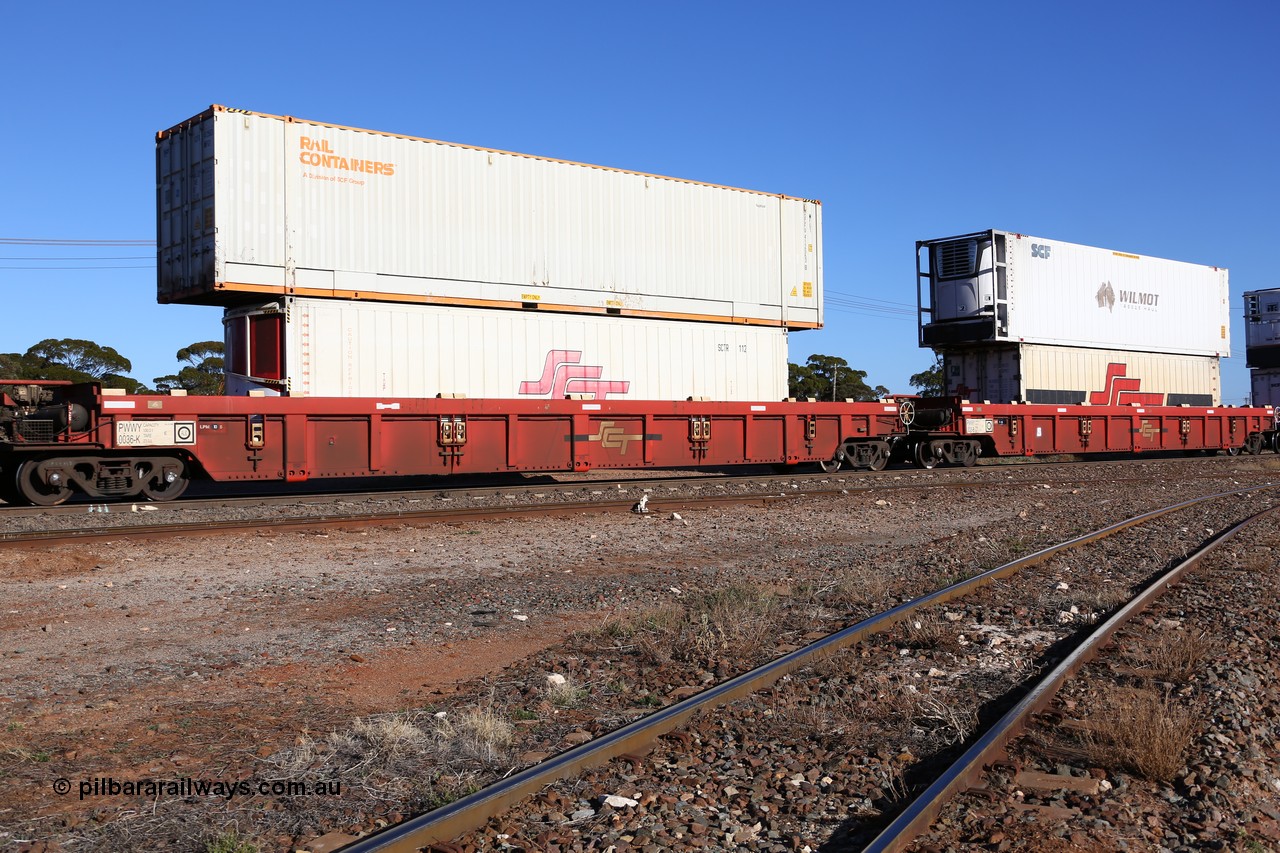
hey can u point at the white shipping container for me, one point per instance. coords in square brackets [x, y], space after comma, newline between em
[995, 286]
[1262, 328]
[1266, 387]
[348, 348]
[252, 204]
[1034, 373]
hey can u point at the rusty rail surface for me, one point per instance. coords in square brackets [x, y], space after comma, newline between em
[472, 812]
[426, 516]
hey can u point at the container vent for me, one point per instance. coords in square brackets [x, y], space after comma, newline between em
[957, 258]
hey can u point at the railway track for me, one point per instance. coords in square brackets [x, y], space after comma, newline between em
[471, 813]
[92, 522]
[992, 744]
[484, 488]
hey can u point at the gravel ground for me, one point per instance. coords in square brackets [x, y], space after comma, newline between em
[1219, 790]
[276, 657]
[546, 490]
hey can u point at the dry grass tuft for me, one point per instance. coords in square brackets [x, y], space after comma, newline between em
[1143, 732]
[933, 717]
[943, 720]
[1177, 657]
[737, 622]
[479, 733]
[566, 694]
[859, 587]
[932, 632]
[1103, 599]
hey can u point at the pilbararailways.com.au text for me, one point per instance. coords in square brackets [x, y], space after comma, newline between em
[227, 789]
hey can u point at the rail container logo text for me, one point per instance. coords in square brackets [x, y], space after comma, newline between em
[317, 152]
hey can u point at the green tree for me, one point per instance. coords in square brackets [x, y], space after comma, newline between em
[801, 383]
[829, 377]
[201, 375]
[73, 360]
[84, 357]
[930, 382]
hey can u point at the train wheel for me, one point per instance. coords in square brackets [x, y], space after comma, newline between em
[32, 488]
[967, 454]
[1234, 451]
[163, 487]
[879, 456]
[1253, 444]
[830, 466]
[927, 455]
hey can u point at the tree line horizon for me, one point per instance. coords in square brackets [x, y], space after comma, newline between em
[200, 372]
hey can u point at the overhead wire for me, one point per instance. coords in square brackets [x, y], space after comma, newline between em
[867, 306]
[73, 258]
[74, 262]
[84, 269]
[46, 241]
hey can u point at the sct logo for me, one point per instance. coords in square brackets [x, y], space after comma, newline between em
[1040, 250]
[562, 374]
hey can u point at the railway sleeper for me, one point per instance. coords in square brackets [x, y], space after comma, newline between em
[49, 481]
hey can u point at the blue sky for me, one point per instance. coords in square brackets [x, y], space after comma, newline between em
[1147, 127]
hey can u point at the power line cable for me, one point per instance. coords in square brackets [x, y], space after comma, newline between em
[86, 258]
[870, 298]
[42, 241]
[83, 269]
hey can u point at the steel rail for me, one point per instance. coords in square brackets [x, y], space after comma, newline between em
[105, 530]
[426, 516]
[458, 490]
[471, 812]
[1027, 466]
[916, 819]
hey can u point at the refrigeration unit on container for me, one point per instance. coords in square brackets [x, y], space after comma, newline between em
[1036, 373]
[1262, 328]
[253, 206]
[351, 348]
[1266, 387]
[993, 287]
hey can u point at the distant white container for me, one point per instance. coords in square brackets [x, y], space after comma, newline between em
[252, 206]
[1262, 328]
[351, 348]
[999, 286]
[1266, 387]
[1035, 373]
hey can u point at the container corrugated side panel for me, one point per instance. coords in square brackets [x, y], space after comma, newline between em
[251, 194]
[1069, 375]
[802, 262]
[453, 221]
[1088, 297]
[348, 348]
[1264, 331]
[186, 250]
[369, 215]
[1266, 387]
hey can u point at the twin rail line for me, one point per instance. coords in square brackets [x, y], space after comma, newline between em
[473, 812]
[765, 492]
